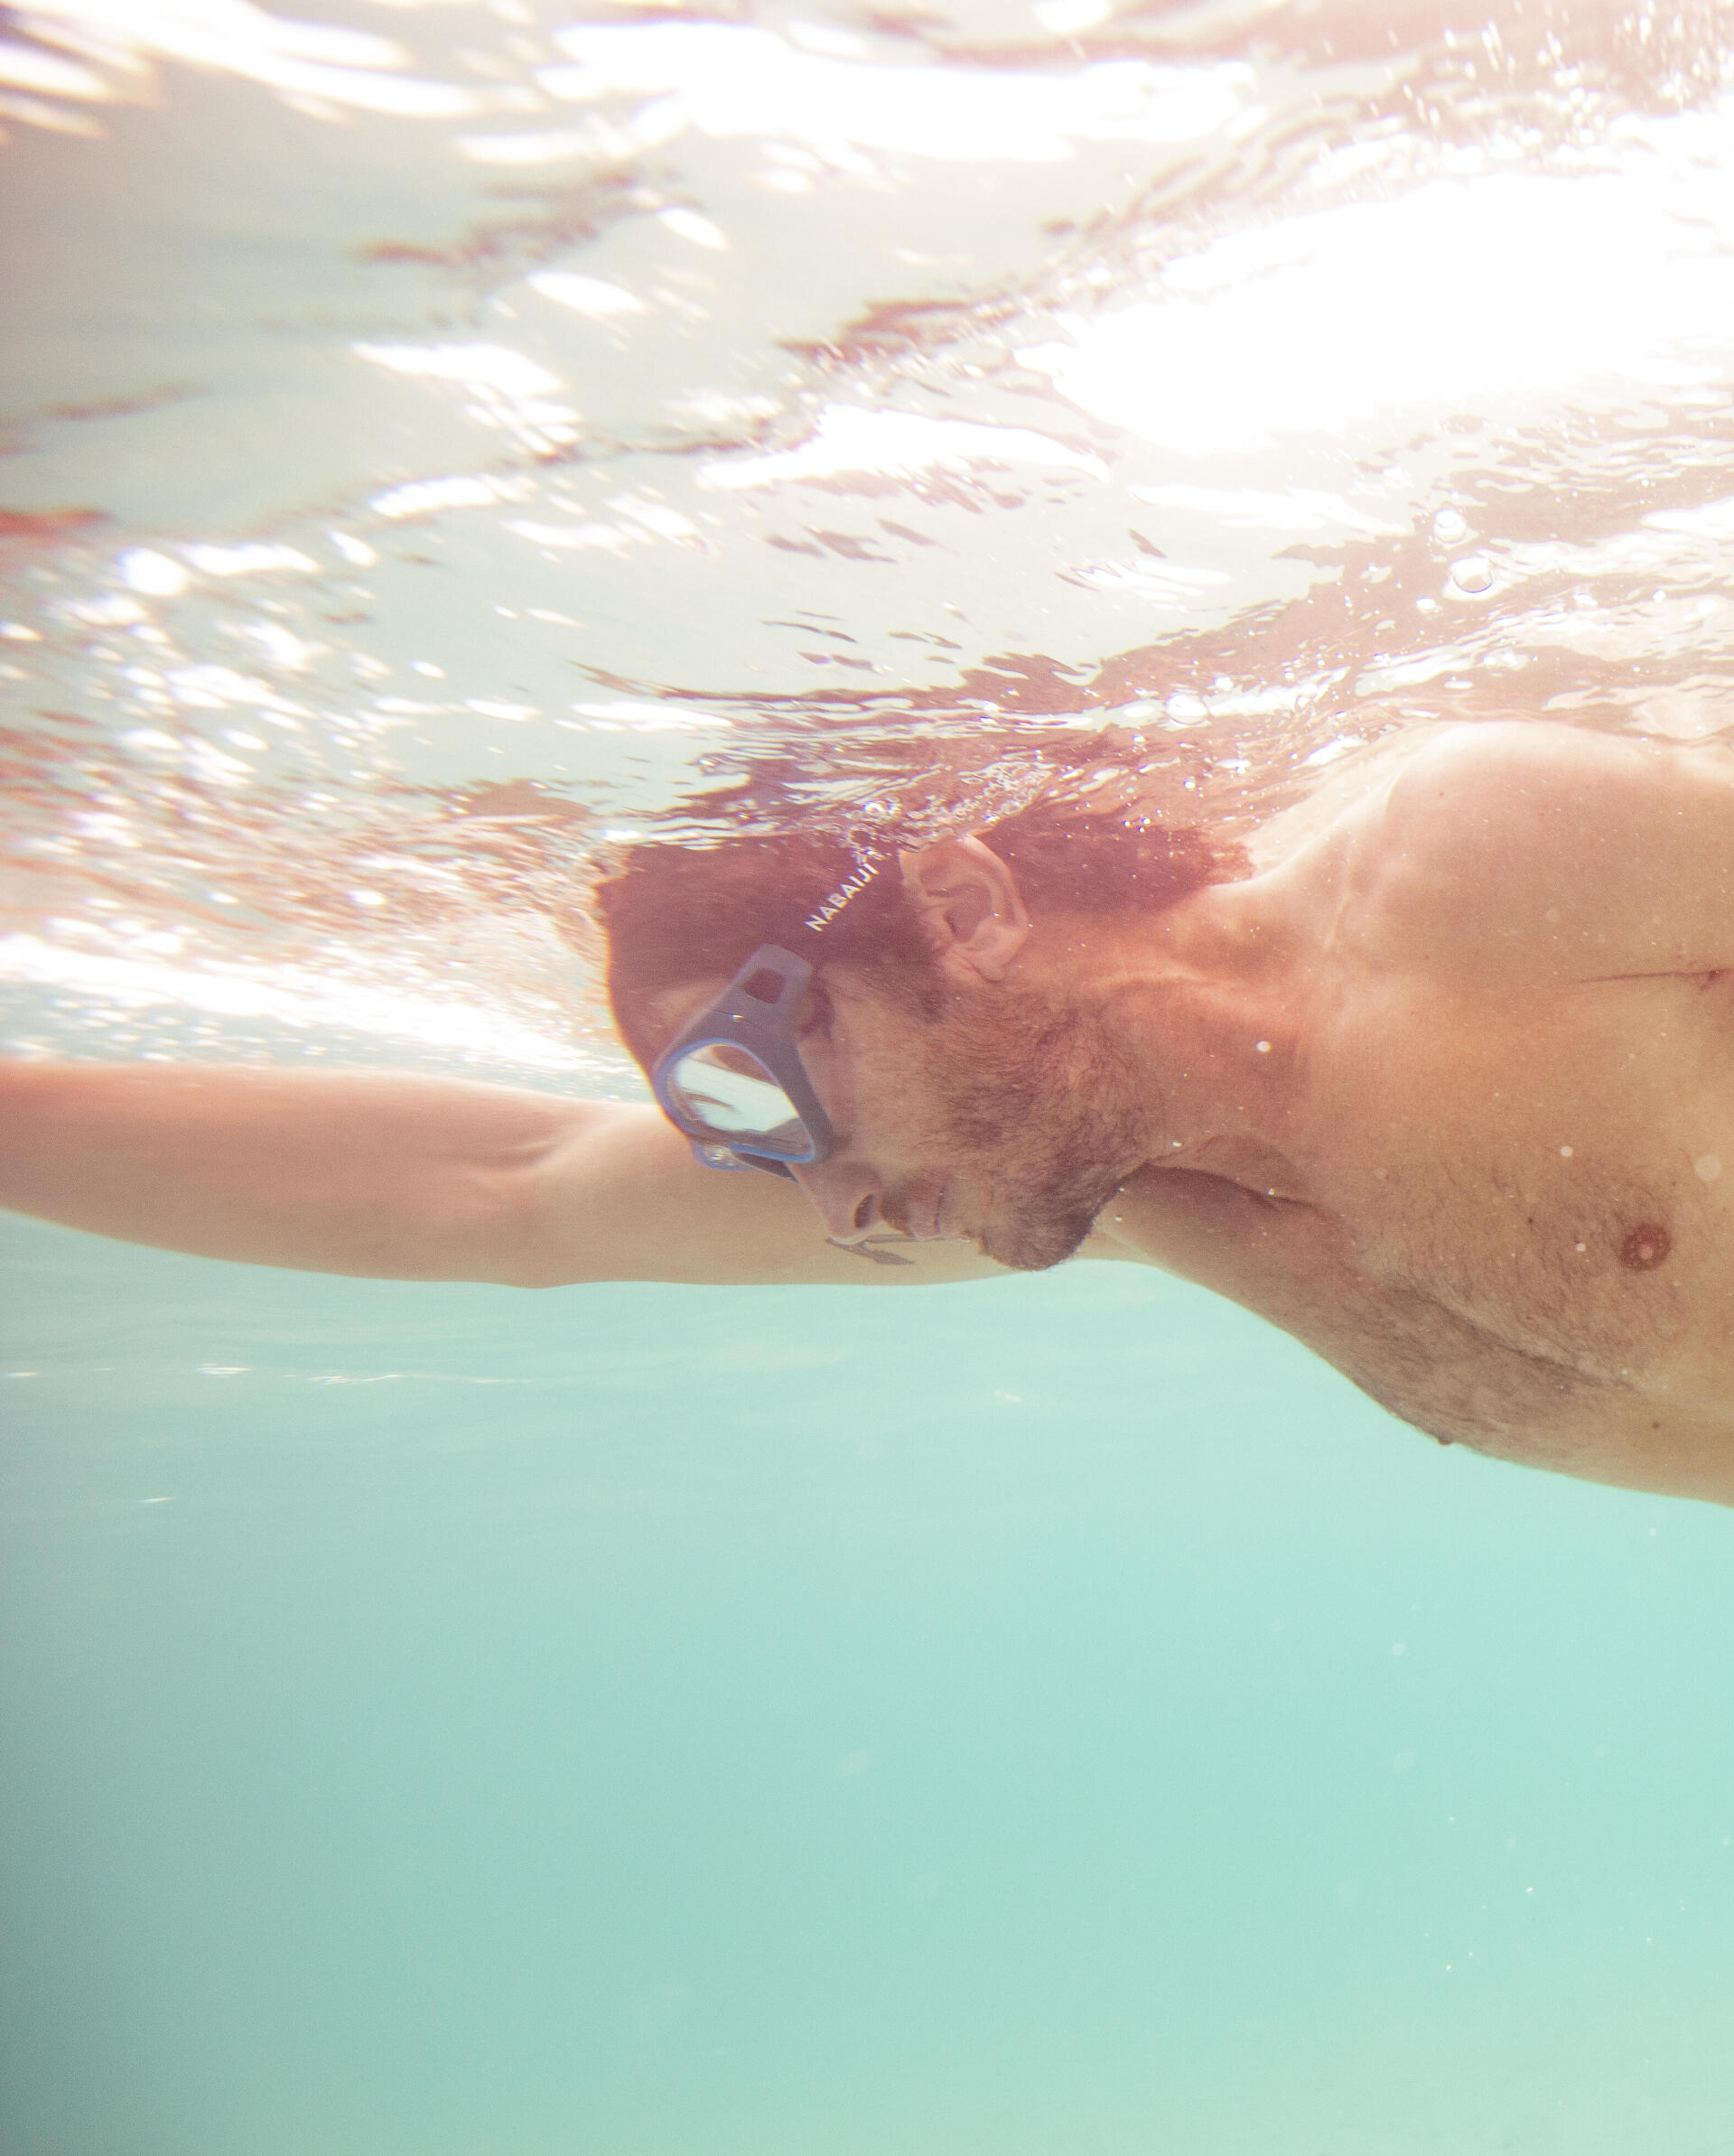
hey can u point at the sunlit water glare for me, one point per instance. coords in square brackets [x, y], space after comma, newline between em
[448, 441]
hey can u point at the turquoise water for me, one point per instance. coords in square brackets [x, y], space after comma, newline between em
[445, 443]
[1051, 1715]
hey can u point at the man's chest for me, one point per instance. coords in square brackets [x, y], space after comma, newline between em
[1550, 1173]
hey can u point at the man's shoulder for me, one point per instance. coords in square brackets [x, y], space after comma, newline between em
[1543, 783]
[1530, 853]
[1452, 778]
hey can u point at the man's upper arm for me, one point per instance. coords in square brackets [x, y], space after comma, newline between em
[1545, 851]
[622, 1199]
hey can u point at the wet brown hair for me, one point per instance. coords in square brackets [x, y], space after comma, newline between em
[675, 914]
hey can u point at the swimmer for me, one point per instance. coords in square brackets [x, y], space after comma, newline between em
[1436, 1076]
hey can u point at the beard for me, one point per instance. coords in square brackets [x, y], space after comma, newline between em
[1039, 1108]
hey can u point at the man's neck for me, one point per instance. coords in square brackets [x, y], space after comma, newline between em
[1206, 1001]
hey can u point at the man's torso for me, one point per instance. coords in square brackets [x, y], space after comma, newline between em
[1500, 1207]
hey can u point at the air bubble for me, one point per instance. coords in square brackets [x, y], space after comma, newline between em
[1473, 574]
[1451, 526]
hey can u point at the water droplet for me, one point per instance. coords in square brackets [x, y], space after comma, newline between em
[1473, 574]
[1565, 1153]
[1449, 526]
[1263, 1047]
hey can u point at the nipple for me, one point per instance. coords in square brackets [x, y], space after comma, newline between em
[1646, 1247]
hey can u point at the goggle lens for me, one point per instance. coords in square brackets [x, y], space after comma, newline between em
[725, 1089]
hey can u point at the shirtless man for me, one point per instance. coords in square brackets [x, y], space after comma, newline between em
[1441, 1087]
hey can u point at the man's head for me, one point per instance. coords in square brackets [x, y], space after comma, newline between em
[973, 1080]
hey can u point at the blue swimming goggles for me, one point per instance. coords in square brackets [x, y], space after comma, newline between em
[732, 1079]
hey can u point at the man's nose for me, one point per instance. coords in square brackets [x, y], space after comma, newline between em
[845, 1195]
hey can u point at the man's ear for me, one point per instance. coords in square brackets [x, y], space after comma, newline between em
[971, 912]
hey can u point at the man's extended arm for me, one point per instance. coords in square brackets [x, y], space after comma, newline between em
[404, 1178]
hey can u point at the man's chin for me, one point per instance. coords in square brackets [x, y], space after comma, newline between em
[1051, 1223]
[1027, 1246]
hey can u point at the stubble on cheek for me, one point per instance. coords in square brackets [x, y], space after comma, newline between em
[1032, 1120]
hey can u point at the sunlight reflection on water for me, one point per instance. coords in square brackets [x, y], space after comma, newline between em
[444, 440]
